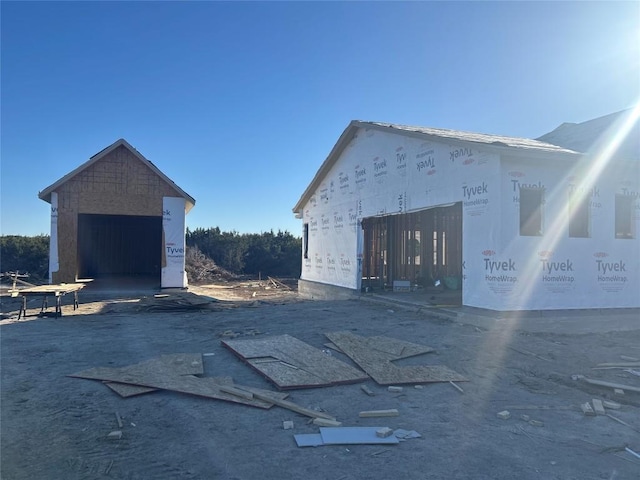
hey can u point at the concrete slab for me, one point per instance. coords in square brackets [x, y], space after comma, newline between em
[539, 321]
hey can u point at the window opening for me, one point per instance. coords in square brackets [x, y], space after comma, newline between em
[624, 208]
[531, 201]
[579, 215]
[306, 240]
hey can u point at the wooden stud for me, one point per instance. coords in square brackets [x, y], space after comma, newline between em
[392, 412]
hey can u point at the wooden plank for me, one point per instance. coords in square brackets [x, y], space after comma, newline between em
[456, 387]
[598, 407]
[367, 390]
[268, 397]
[618, 364]
[237, 392]
[378, 363]
[299, 364]
[325, 422]
[611, 385]
[392, 412]
[60, 289]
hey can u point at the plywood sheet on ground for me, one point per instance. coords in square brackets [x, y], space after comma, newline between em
[176, 302]
[176, 364]
[377, 360]
[126, 390]
[291, 363]
[173, 372]
[204, 387]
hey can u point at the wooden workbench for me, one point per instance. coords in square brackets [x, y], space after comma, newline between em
[45, 291]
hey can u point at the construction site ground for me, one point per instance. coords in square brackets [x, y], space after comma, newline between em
[57, 427]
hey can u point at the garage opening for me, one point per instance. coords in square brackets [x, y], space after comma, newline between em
[410, 251]
[119, 245]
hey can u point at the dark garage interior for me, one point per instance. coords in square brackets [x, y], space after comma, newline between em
[122, 245]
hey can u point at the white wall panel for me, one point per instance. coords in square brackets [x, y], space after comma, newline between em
[381, 173]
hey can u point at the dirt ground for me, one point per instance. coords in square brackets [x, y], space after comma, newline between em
[55, 427]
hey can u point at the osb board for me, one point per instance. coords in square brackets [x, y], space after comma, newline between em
[126, 390]
[173, 364]
[67, 236]
[175, 302]
[204, 387]
[118, 184]
[396, 348]
[291, 363]
[379, 364]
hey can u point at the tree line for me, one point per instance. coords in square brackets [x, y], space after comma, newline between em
[267, 253]
[25, 255]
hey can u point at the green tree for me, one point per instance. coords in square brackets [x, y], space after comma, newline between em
[25, 255]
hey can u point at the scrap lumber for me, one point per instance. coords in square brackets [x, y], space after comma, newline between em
[165, 373]
[175, 302]
[176, 364]
[278, 284]
[291, 363]
[367, 390]
[237, 392]
[618, 364]
[271, 397]
[457, 387]
[392, 412]
[618, 386]
[611, 405]
[375, 356]
[325, 422]
[384, 432]
[627, 358]
[628, 450]
[125, 390]
[598, 407]
[587, 409]
[287, 425]
[622, 422]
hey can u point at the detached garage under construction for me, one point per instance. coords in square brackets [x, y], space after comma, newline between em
[117, 215]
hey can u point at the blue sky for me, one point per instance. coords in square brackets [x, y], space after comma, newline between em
[240, 102]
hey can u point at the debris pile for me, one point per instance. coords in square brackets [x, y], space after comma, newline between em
[288, 363]
[182, 301]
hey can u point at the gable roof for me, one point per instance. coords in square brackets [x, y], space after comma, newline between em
[585, 137]
[46, 193]
[486, 142]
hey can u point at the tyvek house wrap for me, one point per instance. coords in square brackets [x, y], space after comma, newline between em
[54, 262]
[173, 243]
[381, 173]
